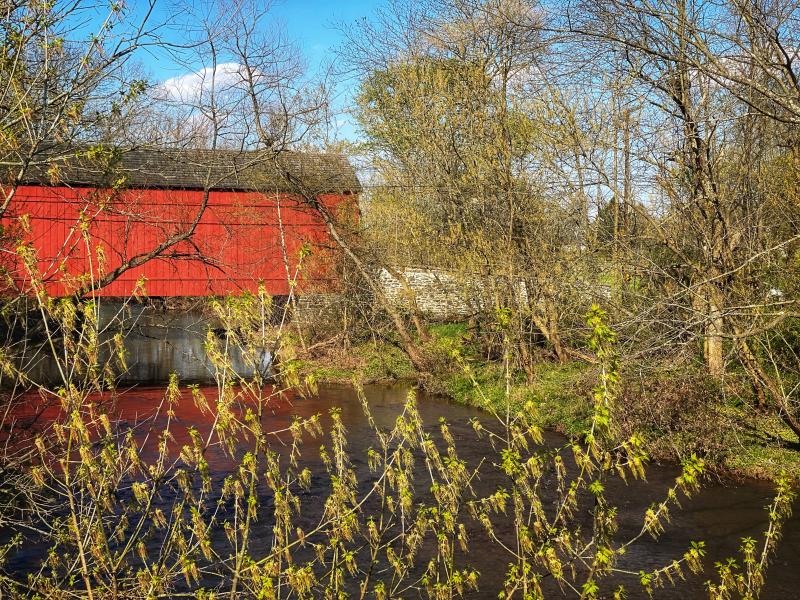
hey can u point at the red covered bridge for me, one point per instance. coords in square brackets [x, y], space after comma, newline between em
[249, 215]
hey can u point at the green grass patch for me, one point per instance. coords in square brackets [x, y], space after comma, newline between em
[561, 393]
[558, 391]
[483, 385]
[384, 362]
[327, 373]
[761, 446]
[763, 462]
[369, 361]
[448, 331]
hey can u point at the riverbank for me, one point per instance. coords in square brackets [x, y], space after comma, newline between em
[677, 411]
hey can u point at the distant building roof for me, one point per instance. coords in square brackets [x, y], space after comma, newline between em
[316, 173]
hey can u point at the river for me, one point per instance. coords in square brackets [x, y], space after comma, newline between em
[720, 514]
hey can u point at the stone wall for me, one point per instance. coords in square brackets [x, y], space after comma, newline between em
[439, 295]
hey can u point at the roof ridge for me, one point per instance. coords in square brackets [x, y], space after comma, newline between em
[194, 168]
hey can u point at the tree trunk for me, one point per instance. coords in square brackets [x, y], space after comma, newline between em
[546, 319]
[411, 297]
[411, 348]
[713, 351]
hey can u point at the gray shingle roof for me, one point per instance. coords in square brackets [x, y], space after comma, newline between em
[315, 173]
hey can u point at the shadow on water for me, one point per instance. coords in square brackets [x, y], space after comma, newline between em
[720, 515]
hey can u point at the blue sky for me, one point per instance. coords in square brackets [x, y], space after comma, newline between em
[313, 24]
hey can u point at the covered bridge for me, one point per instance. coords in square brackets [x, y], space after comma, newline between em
[96, 216]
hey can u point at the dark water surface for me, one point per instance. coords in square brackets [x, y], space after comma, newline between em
[720, 514]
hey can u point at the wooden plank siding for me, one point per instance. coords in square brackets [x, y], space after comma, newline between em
[236, 244]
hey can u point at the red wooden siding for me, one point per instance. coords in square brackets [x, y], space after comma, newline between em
[238, 239]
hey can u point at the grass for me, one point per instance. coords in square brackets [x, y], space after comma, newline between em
[763, 462]
[448, 331]
[560, 392]
[763, 447]
[370, 361]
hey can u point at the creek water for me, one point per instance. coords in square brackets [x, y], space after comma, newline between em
[720, 514]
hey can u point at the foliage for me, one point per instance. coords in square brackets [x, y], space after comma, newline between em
[647, 174]
[143, 514]
[543, 173]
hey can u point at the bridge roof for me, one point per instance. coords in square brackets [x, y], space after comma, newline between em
[256, 171]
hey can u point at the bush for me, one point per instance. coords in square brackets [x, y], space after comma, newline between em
[679, 411]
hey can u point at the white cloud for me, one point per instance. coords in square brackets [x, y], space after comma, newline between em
[191, 87]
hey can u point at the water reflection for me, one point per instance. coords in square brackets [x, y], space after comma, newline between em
[720, 515]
